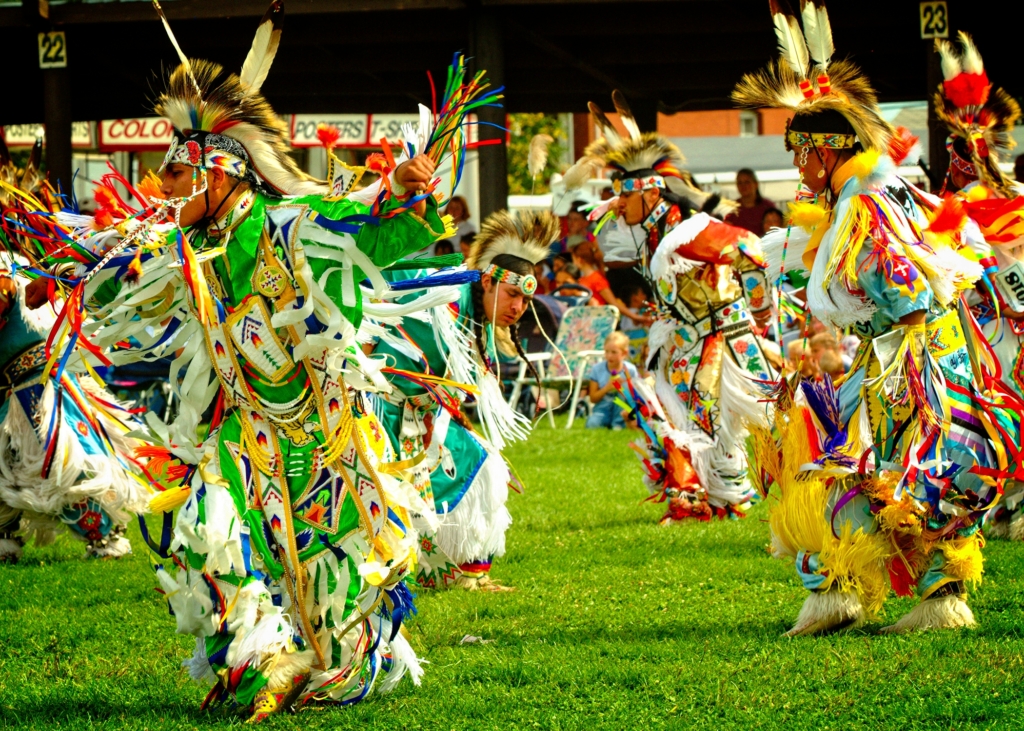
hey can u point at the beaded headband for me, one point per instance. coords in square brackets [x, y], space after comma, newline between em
[819, 139]
[633, 185]
[525, 283]
[960, 163]
[208, 150]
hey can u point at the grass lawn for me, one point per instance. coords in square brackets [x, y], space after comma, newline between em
[616, 623]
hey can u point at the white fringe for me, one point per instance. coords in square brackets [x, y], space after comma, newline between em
[775, 242]
[199, 665]
[74, 476]
[405, 661]
[501, 423]
[475, 528]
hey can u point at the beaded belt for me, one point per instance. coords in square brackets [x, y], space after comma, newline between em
[23, 364]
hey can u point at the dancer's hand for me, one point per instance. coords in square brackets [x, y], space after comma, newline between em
[415, 176]
[37, 293]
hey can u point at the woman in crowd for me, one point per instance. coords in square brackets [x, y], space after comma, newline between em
[753, 205]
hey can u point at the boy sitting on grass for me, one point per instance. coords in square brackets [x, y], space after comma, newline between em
[604, 378]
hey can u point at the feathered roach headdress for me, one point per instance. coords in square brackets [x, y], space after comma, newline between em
[222, 120]
[525, 235]
[835, 109]
[979, 118]
[640, 161]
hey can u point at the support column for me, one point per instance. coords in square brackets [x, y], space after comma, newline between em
[57, 119]
[487, 51]
[938, 155]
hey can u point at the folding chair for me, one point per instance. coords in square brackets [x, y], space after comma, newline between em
[580, 339]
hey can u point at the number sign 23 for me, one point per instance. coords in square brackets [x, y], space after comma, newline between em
[53, 50]
[934, 20]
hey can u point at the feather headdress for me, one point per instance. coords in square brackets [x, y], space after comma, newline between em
[980, 119]
[806, 81]
[222, 120]
[639, 155]
[523, 234]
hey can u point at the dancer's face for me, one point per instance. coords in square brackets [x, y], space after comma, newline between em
[177, 182]
[503, 304]
[636, 206]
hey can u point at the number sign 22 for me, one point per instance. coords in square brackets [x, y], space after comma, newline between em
[934, 20]
[53, 50]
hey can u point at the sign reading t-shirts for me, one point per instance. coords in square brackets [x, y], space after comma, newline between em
[355, 130]
[135, 135]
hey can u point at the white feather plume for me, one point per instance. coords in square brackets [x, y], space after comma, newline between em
[818, 32]
[264, 48]
[950, 60]
[971, 59]
[792, 46]
[583, 170]
[537, 159]
[174, 42]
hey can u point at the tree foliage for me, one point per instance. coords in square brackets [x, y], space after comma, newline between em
[522, 128]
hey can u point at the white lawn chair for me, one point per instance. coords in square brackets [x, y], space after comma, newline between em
[580, 339]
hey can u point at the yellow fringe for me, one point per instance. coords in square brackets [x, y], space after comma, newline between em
[856, 561]
[964, 560]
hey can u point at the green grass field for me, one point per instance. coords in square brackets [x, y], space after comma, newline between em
[616, 623]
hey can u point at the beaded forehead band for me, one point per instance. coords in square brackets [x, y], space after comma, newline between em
[632, 185]
[525, 283]
[796, 139]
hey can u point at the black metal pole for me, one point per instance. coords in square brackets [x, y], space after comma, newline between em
[487, 51]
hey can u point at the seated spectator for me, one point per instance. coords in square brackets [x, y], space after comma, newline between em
[831, 364]
[576, 230]
[466, 243]
[753, 205]
[825, 342]
[604, 379]
[799, 360]
[587, 256]
[544, 283]
[772, 218]
[443, 248]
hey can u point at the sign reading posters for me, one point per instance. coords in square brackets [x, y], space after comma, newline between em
[24, 135]
[135, 135]
[356, 130]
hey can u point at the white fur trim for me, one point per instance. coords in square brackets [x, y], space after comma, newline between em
[828, 610]
[944, 612]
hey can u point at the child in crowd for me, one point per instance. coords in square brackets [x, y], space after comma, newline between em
[772, 219]
[443, 248]
[466, 243]
[800, 359]
[604, 377]
[831, 364]
[636, 331]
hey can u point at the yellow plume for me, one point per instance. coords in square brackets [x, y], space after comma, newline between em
[806, 215]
